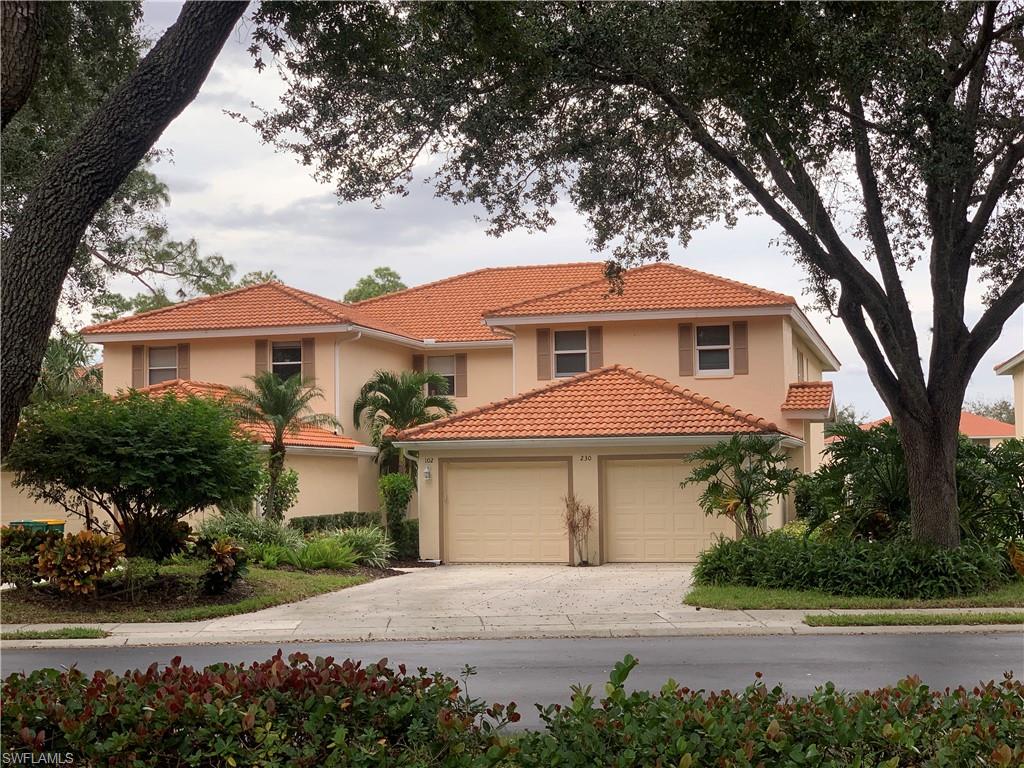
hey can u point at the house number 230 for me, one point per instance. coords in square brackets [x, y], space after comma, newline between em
[586, 458]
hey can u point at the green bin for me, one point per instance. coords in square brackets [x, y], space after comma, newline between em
[32, 525]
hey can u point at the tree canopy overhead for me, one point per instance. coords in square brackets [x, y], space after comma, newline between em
[877, 136]
[382, 280]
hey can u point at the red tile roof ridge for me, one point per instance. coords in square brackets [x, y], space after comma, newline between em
[742, 415]
[499, 311]
[177, 305]
[443, 280]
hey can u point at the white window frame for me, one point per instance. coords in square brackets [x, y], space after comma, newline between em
[285, 342]
[712, 373]
[450, 376]
[801, 365]
[150, 367]
[555, 352]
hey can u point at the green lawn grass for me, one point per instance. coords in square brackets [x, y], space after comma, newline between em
[743, 598]
[67, 633]
[268, 588]
[912, 619]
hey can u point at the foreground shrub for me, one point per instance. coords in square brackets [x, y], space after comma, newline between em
[75, 563]
[369, 542]
[407, 545]
[313, 523]
[304, 712]
[19, 554]
[294, 712]
[144, 462]
[249, 530]
[318, 555]
[897, 568]
[396, 491]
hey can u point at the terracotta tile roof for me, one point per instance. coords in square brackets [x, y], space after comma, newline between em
[306, 437]
[971, 425]
[452, 309]
[614, 401]
[660, 286]
[808, 396]
[266, 305]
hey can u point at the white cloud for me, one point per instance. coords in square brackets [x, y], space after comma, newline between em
[263, 210]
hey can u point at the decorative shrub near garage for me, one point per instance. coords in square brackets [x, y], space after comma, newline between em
[311, 523]
[302, 711]
[895, 568]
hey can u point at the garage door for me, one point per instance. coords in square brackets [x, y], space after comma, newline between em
[505, 512]
[649, 518]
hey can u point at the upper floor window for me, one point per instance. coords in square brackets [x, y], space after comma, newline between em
[801, 366]
[163, 364]
[570, 352]
[443, 365]
[714, 349]
[286, 359]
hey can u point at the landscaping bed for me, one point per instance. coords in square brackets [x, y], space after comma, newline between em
[303, 711]
[175, 597]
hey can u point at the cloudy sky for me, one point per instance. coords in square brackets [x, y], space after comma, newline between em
[262, 210]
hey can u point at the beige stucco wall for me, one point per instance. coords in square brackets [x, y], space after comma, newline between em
[327, 484]
[585, 483]
[15, 504]
[1018, 400]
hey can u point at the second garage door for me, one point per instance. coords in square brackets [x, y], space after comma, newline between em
[649, 518]
[505, 512]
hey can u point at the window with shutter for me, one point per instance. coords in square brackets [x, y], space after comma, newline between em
[570, 352]
[442, 365]
[286, 359]
[163, 364]
[714, 349]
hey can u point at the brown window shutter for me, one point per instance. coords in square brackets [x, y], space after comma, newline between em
[740, 358]
[460, 375]
[543, 354]
[184, 364]
[138, 366]
[595, 347]
[309, 360]
[417, 363]
[686, 349]
[262, 362]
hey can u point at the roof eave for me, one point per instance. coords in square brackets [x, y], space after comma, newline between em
[586, 442]
[1007, 367]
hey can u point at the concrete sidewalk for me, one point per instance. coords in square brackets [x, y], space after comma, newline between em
[485, 602]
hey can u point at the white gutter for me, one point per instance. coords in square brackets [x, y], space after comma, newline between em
[581, 442]
[1006, 368]
[312, 450]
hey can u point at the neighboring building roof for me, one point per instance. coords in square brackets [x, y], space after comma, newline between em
[971, 425]
[307, 437]
[808, 396]
[659, 286]
[452, 309]
[1009, 366]
[613, 401]
[265, 305]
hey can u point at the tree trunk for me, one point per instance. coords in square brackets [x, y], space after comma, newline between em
[42, 243]
[20, 54]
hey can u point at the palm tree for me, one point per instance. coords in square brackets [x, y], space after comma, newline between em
[392, 402]
[282, 406]
[67, 370]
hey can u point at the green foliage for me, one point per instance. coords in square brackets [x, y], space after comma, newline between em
[227, 565]
[286, 493]
[395, 493]
[287, 712]
[19, 554]
[741, 477]
[248, 530]
[137, 574]
[145, 462]
[318, 555]
[283, 406]
[311, 523]
[390, 402]
[379, 282]
[999, 409]
[67, 370]
[75, 563]
[370, 544]
[861, 488]
[896, 568]
[407, 545]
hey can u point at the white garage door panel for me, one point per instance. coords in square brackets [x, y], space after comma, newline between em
[650, 518]
[505, 512]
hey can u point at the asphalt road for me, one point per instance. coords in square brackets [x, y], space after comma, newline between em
[528, 671]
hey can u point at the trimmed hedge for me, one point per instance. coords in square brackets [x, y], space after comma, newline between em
[314, 523]
[407, 547]
[897, 568]
[304, 712]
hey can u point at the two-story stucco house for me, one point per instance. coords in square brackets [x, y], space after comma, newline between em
[560, 386]
[1015, 367]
